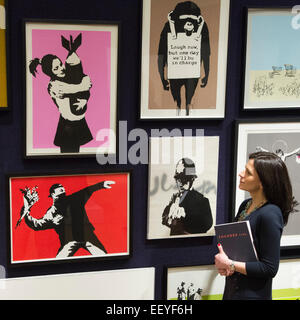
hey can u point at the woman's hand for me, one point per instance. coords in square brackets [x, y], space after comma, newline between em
[223, 263]
[60, 90]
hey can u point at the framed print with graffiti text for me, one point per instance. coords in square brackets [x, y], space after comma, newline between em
[3, 57]
[71, 88]
[183, 187]
[272, 78]
[56, 218]
[283, 139]
[184, 59]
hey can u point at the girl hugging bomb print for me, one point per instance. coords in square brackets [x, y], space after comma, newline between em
[71, 88]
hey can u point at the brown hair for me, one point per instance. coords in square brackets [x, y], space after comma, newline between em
[275, 180]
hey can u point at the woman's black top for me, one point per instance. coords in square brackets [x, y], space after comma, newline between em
[266, 225]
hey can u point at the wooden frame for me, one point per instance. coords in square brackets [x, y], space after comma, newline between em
[71, 110]
[278, 136]
[207, 101]
[84, 222]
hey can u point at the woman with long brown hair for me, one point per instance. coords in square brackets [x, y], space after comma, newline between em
[267, 180]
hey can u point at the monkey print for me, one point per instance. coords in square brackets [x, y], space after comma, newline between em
[183, 48]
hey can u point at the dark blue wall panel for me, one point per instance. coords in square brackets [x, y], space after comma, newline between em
[145, 253]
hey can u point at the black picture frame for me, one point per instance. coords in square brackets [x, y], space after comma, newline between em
[98, 209]
[94, 127]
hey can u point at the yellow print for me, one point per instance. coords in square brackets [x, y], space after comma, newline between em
[3, 84]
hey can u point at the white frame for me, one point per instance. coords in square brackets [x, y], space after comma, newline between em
[164, 153]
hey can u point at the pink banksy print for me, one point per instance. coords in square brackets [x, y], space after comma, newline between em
[71, 88]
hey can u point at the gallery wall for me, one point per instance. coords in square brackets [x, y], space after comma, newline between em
[144, 253]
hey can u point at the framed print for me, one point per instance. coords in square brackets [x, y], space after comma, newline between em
[182, 195]
[71, 87]
[3, 70]
[286, 284]
[68, 217]
[194, 283]
[133, 284]
[204, 283]
[184, 59]
[281, 138]
[272, 81]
